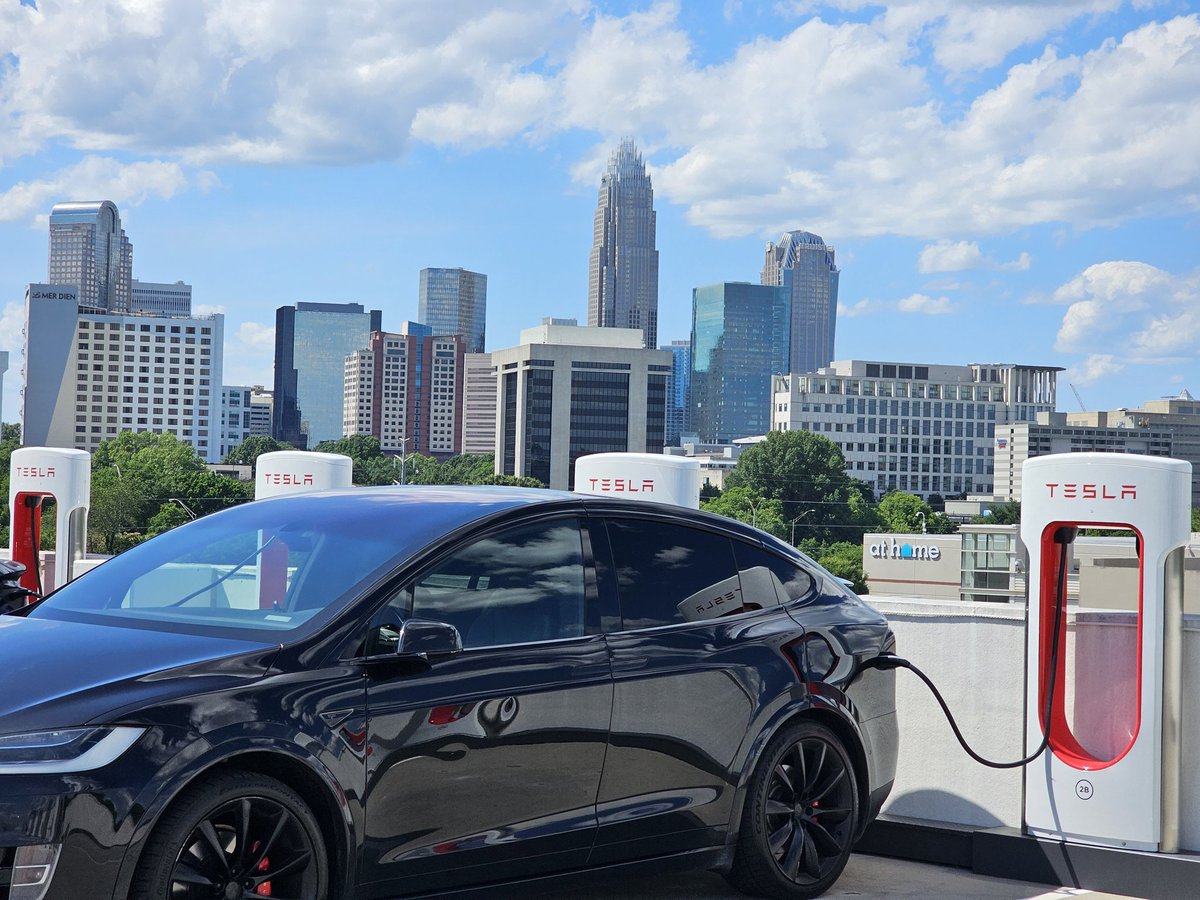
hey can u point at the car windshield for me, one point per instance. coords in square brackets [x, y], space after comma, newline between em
[258, 569]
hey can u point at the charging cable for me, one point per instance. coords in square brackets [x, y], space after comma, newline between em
[35, 508]
[1063, 537]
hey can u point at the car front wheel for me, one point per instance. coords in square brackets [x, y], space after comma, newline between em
[235, 835]
[800, 817]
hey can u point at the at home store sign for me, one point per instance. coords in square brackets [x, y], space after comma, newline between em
[893, 549]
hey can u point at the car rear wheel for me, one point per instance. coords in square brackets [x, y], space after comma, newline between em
[800, 817]
[235, 835]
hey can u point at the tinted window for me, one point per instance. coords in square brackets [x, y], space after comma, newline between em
[668, 574]
[513, 587]
[767, 576]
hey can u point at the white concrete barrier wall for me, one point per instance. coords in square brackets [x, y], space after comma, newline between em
[974, 652]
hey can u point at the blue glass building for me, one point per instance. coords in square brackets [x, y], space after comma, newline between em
[740, 338]
[677, 390]
[312, 341]
[803, 265]
[454, 301]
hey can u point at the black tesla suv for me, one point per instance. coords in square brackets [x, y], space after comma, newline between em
[405, 691]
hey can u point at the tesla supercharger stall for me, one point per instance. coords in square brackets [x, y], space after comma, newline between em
[1111, 682]
[287, 472]
[37, 474]
[640, 476]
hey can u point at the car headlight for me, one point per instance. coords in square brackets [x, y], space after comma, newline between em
[64, 749]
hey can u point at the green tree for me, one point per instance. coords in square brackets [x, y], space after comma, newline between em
[801, 470]
[844, 559]
[1195, 518]
[248, 451]
[1001, 514]
[117, 504]
[748, 505]
[10, 431]
[168, 516]
[902, 513]
[356, 446]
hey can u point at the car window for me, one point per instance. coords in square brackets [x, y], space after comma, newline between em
[517, 586]
[668, 574]
[764, 573]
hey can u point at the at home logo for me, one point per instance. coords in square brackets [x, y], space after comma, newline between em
[893, 549]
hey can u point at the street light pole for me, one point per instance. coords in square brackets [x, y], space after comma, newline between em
[794, 521]
[922, 515]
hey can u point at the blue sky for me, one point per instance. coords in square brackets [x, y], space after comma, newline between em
[1002, 181]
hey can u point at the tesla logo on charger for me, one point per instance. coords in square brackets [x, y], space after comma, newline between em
[1080, 491]
[622, 485]
[287, 478]
[896, 550]
[34, 471]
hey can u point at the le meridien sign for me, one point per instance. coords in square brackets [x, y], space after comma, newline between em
[893, 549]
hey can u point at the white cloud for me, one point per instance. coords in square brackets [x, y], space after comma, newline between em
[208, 309]
[860, 308]
[254, 335]
[755, 143]
[94, 176]
[1092, 369]
[959, 256]
[950, 256]
[12, 328]
[1130, 310]
[926, 306]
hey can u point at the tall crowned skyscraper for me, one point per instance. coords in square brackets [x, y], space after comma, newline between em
[623, 270]
[454, 301]
[89, 249]
[802, 264]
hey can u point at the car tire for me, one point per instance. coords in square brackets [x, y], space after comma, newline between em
[235, 828]
[800, 818]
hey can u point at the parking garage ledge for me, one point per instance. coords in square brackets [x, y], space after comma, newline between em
[1005, 852]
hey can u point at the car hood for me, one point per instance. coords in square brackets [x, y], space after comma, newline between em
[57, 673]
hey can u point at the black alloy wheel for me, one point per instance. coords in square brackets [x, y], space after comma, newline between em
[235, 836]
[801, 816]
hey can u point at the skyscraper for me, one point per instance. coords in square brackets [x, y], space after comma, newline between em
[312, 341]
[802, 264]
[89, 249]
[623, 270]
[677, 389]
[739, 340]
[454, 301]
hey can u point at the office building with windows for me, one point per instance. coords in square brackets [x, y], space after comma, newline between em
[312, 341]
[623, 266]
[924, 429]
[803, 265]
[235, 416]
[89, 249]
[677, 390]
[161, 299]
[89, 376]
[262, 402]
[454, 301]
[1053, 433]
[479, 405]
[567, 391]
[739, 341]
[406, 389]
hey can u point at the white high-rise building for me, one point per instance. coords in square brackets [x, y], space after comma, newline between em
[235, 416]
[89, 376]
[479, 405]
[160, 299]
[923, 429]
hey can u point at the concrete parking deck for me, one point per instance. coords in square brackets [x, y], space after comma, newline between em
[865, 877]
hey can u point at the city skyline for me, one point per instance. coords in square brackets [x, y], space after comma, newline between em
[1002, 183]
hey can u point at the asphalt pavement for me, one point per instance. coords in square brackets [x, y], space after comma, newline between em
[865, 877]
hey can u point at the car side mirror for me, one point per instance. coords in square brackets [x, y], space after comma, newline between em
[423, 638]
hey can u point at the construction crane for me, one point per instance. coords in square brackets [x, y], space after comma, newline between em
[1078, 399]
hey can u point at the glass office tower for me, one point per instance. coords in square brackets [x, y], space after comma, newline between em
[312, 341]
[623, 267]
[802, 263]
[740, 335]
[89, 249]
[454, 301]
[677, 391]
